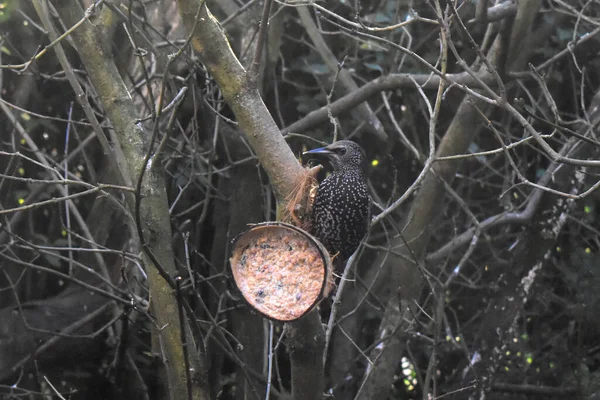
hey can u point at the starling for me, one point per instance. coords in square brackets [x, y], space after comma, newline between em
[340, 211]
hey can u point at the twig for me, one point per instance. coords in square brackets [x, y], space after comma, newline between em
[270, 358]
[262, 37]
[88, 14]
[184, 344]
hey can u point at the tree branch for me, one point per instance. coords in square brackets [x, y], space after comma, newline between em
[284, 171]
[404, 277]
[95, 53]
[373, 125]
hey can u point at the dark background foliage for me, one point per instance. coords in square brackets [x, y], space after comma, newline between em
[501, 293]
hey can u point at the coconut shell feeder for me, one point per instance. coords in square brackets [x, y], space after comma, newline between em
[281, 271]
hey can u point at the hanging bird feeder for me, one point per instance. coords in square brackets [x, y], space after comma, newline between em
[280, 270]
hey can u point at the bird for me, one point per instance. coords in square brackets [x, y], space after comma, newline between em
[341, 208]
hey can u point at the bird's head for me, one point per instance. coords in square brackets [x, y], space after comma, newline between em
[342, 154]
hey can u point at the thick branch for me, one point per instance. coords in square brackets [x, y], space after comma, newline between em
[211, 44]
[404, 276]
[388, 82]
[95, 53]
[346, 81]
[530, 256]
[275, 156]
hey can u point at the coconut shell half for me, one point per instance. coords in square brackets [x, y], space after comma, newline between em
[281, 271]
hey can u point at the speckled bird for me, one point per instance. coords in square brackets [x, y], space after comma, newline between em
[340, 211]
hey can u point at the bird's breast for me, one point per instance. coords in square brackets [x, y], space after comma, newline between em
[341, 212]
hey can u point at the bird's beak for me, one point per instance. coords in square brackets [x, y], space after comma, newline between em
[321, 150]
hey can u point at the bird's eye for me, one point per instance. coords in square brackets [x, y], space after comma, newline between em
[341, 151]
